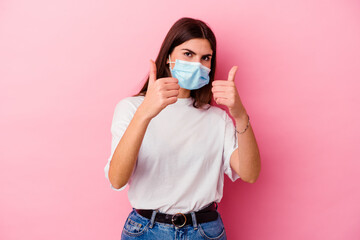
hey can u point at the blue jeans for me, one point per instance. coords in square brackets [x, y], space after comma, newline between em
[139, 227]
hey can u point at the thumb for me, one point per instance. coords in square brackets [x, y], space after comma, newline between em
[232, 73]
[152, 75]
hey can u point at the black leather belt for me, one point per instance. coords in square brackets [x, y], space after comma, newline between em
[179, 219]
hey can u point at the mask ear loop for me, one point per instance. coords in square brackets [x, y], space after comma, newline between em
[170, 61]
[170, 64]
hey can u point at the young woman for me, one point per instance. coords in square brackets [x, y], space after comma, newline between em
[172, 147]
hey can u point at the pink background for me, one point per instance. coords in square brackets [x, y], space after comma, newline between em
[65, 64]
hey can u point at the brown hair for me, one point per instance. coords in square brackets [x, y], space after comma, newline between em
[183, 30]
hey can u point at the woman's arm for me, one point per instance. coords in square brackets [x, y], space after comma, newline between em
[126, 153]
[160, 93]
[246, 158]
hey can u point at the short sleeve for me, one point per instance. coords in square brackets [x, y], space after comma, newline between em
[124, 112]
[230, 144]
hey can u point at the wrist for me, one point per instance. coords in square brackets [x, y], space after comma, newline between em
[143, 114]
[242, 124]
[242, 119]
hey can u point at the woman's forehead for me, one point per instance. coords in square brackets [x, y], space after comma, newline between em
[201, 46]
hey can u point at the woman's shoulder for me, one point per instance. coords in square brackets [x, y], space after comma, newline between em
[217, 112]
[128, 104]
[131, 100]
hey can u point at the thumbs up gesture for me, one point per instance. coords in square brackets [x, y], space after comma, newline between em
[225, 93]
[159, 94]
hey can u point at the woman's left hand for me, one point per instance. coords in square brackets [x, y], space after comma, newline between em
[225, 93]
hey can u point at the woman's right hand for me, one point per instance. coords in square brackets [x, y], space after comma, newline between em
[160, 93]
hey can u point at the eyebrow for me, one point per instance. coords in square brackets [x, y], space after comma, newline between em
[195, 53]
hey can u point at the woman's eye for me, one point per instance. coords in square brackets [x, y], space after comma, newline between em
[206, 58]
[187, 54]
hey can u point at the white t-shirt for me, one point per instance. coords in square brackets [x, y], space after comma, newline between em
[183, 156]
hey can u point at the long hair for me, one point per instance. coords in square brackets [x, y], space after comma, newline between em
[183, 30]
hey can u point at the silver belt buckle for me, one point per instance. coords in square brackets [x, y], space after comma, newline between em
[172, 220]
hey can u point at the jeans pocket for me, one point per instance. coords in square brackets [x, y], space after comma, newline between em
[135, 225]
[212, 230]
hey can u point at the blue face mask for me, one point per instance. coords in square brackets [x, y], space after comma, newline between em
[191, 75]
